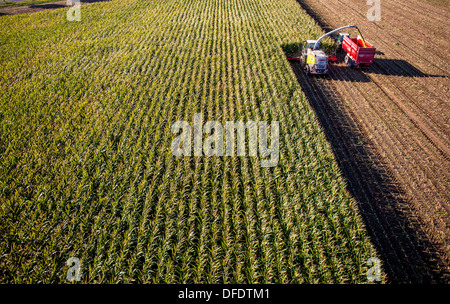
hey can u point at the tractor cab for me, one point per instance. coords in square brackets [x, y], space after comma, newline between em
[309, 44]
[340, 38]
[313, 61]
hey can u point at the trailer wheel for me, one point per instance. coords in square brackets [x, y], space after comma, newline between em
[352, 63]
[346, 59]
[349, 61]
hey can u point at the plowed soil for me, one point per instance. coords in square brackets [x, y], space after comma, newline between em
[389, 127]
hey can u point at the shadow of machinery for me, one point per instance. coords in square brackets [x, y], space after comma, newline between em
[388, 67]
[395, 67]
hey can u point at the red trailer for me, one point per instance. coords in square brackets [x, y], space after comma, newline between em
[359, 53]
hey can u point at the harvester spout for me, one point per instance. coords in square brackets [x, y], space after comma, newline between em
[316, 46]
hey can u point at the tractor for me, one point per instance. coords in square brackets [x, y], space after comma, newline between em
[315, 61]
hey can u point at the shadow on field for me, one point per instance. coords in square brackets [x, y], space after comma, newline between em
[47, 6]
[94, 1]
[380, 66]
[407, 255]
[55, 5]
[395, 67]
[396, 235]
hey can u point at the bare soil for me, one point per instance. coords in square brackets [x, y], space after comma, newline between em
[389, 128]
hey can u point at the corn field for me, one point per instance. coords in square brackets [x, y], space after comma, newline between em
[86, 110]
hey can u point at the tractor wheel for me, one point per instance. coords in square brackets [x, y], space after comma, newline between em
[346, 59]
[307, 70]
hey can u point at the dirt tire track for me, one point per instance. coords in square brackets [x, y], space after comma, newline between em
[401, 115]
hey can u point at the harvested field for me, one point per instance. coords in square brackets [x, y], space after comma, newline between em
[389, 127]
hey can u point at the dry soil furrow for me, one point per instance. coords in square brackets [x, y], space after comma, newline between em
[436, 139]
[436, 116]
[371, 116]
[423, 125]
[379, 114]
[386, 32]
[413, 17]
[403, 114]
[329, 12]
[433, 111]
[374, 118]
[386, 41]
[402, 207]
[370, 183]
[409, 106]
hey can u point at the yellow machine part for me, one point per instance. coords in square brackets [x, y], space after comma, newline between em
[311, 59]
